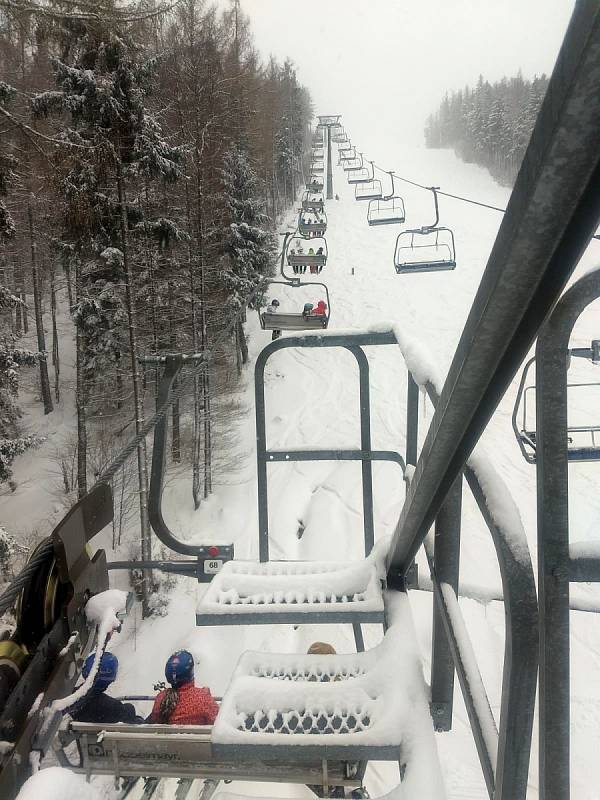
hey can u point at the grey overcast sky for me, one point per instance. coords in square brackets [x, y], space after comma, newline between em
[389, 62]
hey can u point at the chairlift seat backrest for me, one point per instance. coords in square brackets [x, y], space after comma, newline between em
[306, 260]
[293, 322]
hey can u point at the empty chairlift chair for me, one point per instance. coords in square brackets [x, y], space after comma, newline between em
[388, 210]
[362, 174]
[297, 320]
[347, 154]
[371, 190]
[317, 168]
[427, 249]
[583, 435]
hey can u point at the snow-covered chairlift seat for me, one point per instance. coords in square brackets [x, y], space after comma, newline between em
[293, 592]
[371, 705]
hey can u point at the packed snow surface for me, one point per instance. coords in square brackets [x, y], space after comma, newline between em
[56, 783]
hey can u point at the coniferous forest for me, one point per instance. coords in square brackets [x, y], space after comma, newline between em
[489, 125]
[146, 154]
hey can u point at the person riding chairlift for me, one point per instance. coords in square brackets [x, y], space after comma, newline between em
[273, 308]
[184, 703]
[321, 309]
[97, 706]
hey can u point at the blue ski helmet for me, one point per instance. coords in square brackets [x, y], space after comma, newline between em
[180, 668]
[107, 670]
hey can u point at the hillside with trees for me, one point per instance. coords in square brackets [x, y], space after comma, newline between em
[146, 155]
[489, 125]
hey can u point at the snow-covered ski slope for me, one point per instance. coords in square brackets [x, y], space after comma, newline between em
[316, 509]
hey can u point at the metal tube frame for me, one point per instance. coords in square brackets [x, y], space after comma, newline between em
[556, 568]
[504, 756]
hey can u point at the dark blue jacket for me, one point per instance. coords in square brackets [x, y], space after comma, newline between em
[100, 707]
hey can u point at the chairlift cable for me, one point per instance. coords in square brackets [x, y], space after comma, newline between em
[439, 191]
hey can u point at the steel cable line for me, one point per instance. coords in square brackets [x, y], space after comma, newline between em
[446, 194]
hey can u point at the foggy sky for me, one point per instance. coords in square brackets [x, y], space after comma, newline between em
[391, 61]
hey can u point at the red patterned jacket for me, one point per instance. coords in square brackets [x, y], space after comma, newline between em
[196, 706]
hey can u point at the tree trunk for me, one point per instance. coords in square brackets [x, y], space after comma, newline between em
[175, 436]
[55, 352]
[39, 322]
[67, 269]
[194, 311]
[146, 543]
[80, 398]
[243, 344]
[23, 297]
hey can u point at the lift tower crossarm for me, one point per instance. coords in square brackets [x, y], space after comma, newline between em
[552, 214]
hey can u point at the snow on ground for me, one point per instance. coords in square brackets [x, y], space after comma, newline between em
[316, 509]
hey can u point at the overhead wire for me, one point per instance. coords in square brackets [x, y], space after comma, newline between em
[439, 191]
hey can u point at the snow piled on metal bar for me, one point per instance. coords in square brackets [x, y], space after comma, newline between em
[242, 586]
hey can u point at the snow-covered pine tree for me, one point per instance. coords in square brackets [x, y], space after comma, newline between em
[248, 244]
[118, 147]
[11, 358]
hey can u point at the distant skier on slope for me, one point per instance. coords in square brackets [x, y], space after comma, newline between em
[185, 703]
[97, 706]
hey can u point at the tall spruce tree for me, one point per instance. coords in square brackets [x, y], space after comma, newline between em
[248, 244]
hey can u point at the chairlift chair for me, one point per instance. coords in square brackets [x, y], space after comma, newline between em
[317, 167]
[583, 440]
[368, 191]
[427, 249]
[304, 259]
[329, 119]
[348, 155]
[312, 229]
[297, 321]
[354, 165]
[386, 211]
[360, 175]
[312, 201]
[315, 184]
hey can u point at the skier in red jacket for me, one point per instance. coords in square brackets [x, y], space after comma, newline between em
[321, 308]
[185, 703]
